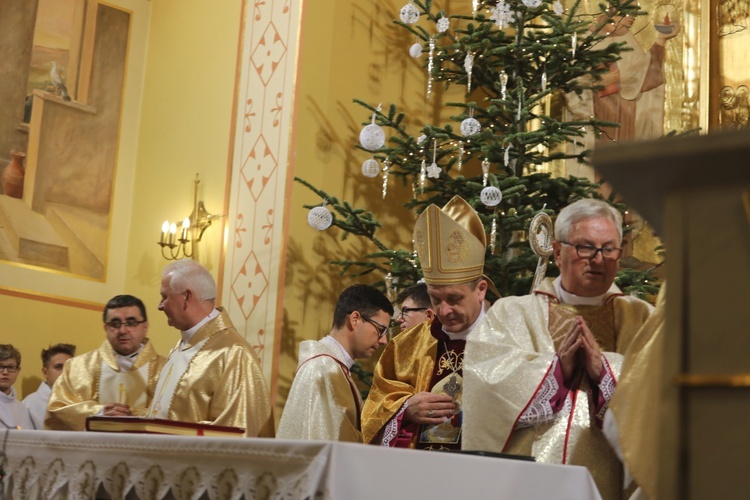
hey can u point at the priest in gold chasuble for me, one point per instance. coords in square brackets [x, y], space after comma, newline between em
[324, 402]
[542, 368]
[118, 379]
[212, 375]
[416, 395]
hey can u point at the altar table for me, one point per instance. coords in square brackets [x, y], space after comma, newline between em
[55, 464]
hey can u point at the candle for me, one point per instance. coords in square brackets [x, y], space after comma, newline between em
[164, 231]
[172, 232]
[185, 226]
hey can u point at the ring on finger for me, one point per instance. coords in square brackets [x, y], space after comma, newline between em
[430, 413]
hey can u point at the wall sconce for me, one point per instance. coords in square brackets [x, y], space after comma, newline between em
[191, 231]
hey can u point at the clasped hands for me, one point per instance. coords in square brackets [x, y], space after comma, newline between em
[116, 410]
[429, 408]
[579, 350]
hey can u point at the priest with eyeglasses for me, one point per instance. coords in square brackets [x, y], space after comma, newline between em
[542, 368]
[116, 380]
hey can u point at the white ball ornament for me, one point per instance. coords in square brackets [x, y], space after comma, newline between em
[470, 126]
[372, 137]
[409, 14]
[370, 168]
[415, 50]
[320, 218]
[491, 196]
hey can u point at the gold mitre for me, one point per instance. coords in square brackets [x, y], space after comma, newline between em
[450, 243]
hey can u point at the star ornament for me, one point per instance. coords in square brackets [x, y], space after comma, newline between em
[433, 171]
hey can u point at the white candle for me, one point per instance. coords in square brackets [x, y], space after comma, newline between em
[172, 232]
[185, 226]
[164, 231]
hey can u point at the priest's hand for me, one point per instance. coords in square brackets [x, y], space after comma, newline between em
[592, 355]
[116, 410]
[429, 408]
[567, 352]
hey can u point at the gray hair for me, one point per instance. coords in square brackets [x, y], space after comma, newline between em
[585, 209]
[188, 274]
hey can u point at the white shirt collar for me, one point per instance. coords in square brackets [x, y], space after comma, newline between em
[335, 344]
[126, 362]
[575, 300]
[462, 335]
[188, 334]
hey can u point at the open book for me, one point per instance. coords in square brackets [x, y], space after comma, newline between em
[140, 425]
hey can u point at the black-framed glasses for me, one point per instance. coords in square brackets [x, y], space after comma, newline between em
[382, 329]
[116, 323]
[406, 310]
[9, 368]
[590, 251]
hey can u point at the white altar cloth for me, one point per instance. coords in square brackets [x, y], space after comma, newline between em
[55, 464]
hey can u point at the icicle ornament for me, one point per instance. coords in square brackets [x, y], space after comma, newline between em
[574, 44]
[506, 155]
[474, 7]
[389, 291]
[386, 168]
[469, 66]
[430, 66]
[433, 171]
[460, 154]
[503, 84]
[423, 175]
[485, 171]
[493, 235]
[372, 137]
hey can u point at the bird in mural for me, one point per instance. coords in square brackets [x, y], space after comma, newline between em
[57, 81]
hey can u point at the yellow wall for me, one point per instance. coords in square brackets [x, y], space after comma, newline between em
[185, 125]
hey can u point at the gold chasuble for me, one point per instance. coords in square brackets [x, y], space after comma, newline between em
[508, 366]
[219, 381]
[94, 379]
[408, 366]
[638, 406]
[323, 403]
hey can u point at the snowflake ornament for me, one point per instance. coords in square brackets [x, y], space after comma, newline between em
[409, 14]
[502, 14]
[532, 4]
[443, 24]
[558, 7]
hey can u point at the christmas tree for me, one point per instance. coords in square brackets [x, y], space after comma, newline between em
[517, 61]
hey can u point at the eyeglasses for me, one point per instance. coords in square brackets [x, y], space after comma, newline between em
[382, 329]
[590, 251]
[407, 310]
[9, 368]
[116, 324]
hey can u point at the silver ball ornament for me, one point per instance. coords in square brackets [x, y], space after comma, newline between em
[415, 50]
[320, 218]
[370, 168]
[491, 196]
[409, 14]
[470, 126]
[372, 137]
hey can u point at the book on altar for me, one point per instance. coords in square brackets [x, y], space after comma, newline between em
[141, 425]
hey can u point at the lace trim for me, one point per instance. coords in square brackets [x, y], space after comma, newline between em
[606, 388]
[540, 410]
[390, 431]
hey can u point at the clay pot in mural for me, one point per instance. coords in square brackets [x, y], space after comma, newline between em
[13, 175]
